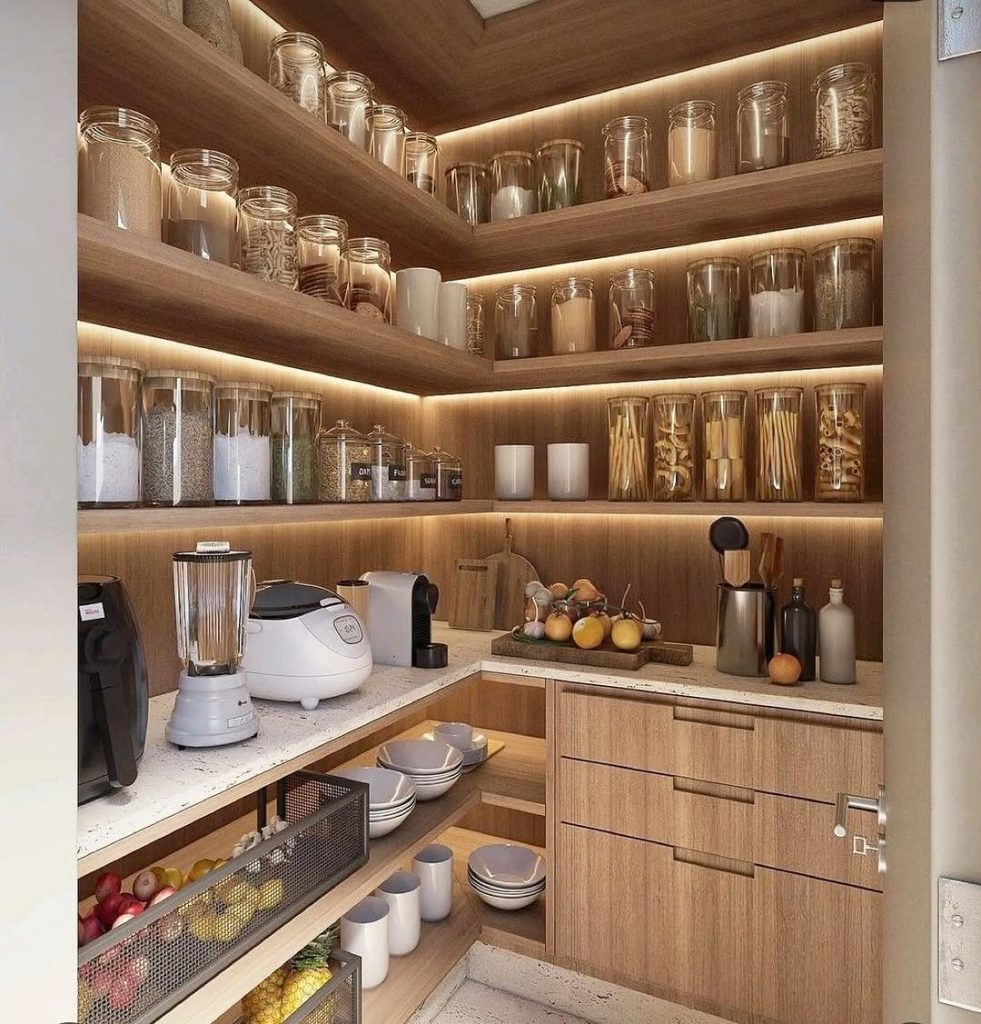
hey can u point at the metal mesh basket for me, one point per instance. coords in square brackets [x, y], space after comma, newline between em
[339, 1001]
[137, 972]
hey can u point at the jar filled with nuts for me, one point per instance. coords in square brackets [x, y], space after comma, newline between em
[674, 447]
[366, 277]
[845, 110]
[628, 170]
[344, 457]
[840, 473]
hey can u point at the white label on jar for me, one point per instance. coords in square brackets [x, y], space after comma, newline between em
[90, 612]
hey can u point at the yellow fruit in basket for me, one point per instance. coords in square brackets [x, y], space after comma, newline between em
[627, 634]
[85, 1000]
[559, 589]
[261, 1005]
[585, 590]
[587, 633]
[558, 627]
[607, 623]
[198, 906]
[228, 927]
[219, 863]
[243, 912]
[160, 874]
[271, 893]
[200, 869]
[174, 878]
[205, 926]
[225, 887]
[241, 892]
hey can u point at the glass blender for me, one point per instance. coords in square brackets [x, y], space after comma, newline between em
[212, 598]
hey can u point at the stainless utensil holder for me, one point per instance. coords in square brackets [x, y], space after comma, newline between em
[746, 629]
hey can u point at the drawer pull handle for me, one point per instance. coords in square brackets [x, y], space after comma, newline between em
[713, 862]
[720, 719]
[717, 790]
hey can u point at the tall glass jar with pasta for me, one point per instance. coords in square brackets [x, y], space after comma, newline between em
[840, 468]
[628, 422]
[674, 447]
[724, 446]
[267, 234]
[779, 444]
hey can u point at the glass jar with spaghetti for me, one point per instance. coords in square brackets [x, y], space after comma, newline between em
[628, 427]
[779, 444]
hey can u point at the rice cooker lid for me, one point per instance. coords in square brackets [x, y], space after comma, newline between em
[287, 599]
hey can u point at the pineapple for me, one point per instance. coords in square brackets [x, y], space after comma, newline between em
[261, 1005]
[308, 973]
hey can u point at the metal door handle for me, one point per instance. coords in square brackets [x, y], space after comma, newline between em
[850, 802]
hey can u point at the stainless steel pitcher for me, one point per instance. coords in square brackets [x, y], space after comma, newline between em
[746, 629]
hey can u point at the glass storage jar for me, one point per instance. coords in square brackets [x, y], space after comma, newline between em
[631, 308]
[422, 160]
[573, 316]
[449, 475]
[627, 167]
[779, 444]
[108, 442]
[242, 445]
[386, 134]
[344, 457]
[763, 137]
[468, 192]
[420, 475]
[296, 69]
[692, 146]
[388, 473]
[119, 169]
[844, 119]
[348, 99]
[178, 438]
[776, 293]
[475, 324]
[674, 447]
[844, 284]
[267, 234]
[840, 469]
[201, 195]
[295, 423]
[628, 422]
[559, 174]
[713, 298]
[516, 321]
[724, 446]
[512, 185]
[366, 277]
[320, 240]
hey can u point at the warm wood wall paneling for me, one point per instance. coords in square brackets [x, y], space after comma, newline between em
[797, 64]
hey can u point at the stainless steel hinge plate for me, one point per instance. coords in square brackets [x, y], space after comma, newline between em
[959, 28]
[959, 967]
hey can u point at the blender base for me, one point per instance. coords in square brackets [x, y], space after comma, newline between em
[211, 711]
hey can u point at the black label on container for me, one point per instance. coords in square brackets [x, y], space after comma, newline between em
[456, 481]
[360, 471]
[397, 473]
[428, 481]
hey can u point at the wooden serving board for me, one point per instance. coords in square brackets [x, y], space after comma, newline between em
[606, 656]
[515, 572]
[474, 594]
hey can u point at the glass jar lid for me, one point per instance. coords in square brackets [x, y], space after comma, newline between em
[343, 431]
[350, 82]
[366, 249]
[110, 366]
[379, 437]
[849, 73]
[207, 169]
[299, 47]
[422, 140]
[120, 124]
[512, 154]
[514, 291]
[849, 388]
[554, 143]
[771, 89]
[692, 110]
[227, 388]
[632, 275]
[628, 123]
[387, 116]
[674, 398]
[723, 262]
[845, 244]
[788, 252]
[195, 379]
[442, 457]
[268, 201]
[724, 396]
[469, 165]
[626, 399]
[786, 392]
[300, 396]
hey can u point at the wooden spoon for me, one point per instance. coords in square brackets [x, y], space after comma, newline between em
[766, 559]
[735, 569]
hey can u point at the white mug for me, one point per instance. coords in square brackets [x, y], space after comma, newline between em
[514, 472]
[457, 734]
[568, 472]
[401, 892]
[364, 932]
[417, 301]
[453, 314]
[434, 866]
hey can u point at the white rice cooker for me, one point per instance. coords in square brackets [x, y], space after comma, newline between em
[305, 644]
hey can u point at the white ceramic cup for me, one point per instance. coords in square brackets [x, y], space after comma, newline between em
[453, 314]
[434, 866]
[417, 301]
[364, 932]
[568, 472]
[457, 734]
[514, 472]
[401, 892]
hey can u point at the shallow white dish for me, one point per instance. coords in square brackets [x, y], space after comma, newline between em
[378, 827]
[502, 903]
[392, 812]
[420, 757]
[492, 890]
[507, 865]
[430, 792]
[387, 787]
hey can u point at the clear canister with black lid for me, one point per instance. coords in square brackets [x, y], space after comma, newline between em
[420, 474]
[344, 456]
[449, 474]
[388, 472]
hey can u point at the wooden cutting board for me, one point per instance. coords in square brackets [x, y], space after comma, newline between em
[606, 656]
[473, 596]
[515, 572]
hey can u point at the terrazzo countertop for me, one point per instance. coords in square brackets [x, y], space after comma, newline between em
[172, 780]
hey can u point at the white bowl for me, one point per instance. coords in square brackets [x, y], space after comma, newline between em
[420, 757]
[501, 903]
[507, 865]
[387, 788]
[381, 827]
[431, 792]
[493, 890]
[393, 812]
[423, 777]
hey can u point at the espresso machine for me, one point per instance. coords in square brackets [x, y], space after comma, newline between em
[401, 606]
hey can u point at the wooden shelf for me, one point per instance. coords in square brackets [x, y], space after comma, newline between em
[746, 509]
[133, 55]
[816, 192]
[118, 520]
[139, 285]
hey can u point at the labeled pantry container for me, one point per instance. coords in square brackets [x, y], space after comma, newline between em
[177, 437]
[628, 421]
[627, 167]
[776, 293]
[844, 284]
[692, 146]
[348, 99]
[724, 446]
[366, 278]
[243, 443]
[449, 474]
[295, 419]
[201, 215]
[320, 240]
[714, 289]
[516, 321]
[296, 69]
[762, 132]
[108, 442]
[512, 185]
[119, 169]
[840, 469]
[779, 444]
[386, 136]
[344, 459]
[267, 234]
[388, 470]
[422, 161]
[844, 120]
[631, 308]
[420, 475]
[559, 174]
[468, 192]
[573, 316]
[674, 447]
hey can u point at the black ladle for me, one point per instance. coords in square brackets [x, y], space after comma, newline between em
[728, 533]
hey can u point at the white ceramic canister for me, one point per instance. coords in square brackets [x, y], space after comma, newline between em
[434, 866]
[568, 472]
[401, 892]
[364, 932]
[453, 314]
[417, 301]
[514, 472]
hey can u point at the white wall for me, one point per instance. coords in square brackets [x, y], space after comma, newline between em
[37, 510]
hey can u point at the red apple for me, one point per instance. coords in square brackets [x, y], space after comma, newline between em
[108, 882]
[145, 886]
[159, 897]
[92, 929]
[109, 908]
[122, 989]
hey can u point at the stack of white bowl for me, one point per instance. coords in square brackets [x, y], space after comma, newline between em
[391, 798]
[472, 744]
[434, 766]
[506, 876]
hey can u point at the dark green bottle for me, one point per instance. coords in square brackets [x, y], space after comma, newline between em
[798, 628]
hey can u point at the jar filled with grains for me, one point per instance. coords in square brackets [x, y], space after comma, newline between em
[468, 192]
[559, 174]
[844, 284]
[776, 293]
[420, 474]
[386, 134]
[242, 447]
[692, 147]
[295, 423]
[320, 240]
[449, 475]
[108, 442]
[388, 477]
[840, 467]
[267, 234]
[475, 324]
[344, 457]
[296, 69]
[516, 321]
[512, 185]
[845, 110]
[573, 316]
[628, 170]
[713, 298]
[366, 278]
[201, 204]
[761, 127]
[177, 438]
[422, 161]
[631, 308]
[348, 100]
[119, 169]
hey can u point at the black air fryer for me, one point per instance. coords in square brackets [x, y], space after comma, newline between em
[113, 697]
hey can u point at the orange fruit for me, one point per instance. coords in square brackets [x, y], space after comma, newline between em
[558, 627]
[627, 634]
[588, 633]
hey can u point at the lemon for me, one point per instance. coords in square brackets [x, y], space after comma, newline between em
[271, 893]
[587, 633]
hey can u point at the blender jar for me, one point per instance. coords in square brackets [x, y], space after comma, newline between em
[295, 422]
[344, 457]
[242, 448]
[388, 472]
